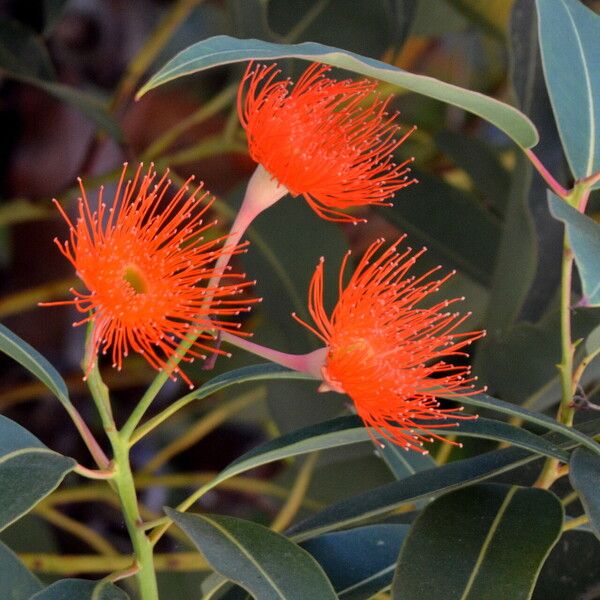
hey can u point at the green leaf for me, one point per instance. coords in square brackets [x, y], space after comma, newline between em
[263, 562]
[28, 471]
[402, 464]
[34, 362]
[24, 57]
[22, 52]
[480, 162]
[91, 106]
[80, 589]
[451, 223]
[487, 542]
[571, 570]
[351, 430]
[386, 498]
[487, 402]
[570, 46]
[584, 471]
[592, 343]
[359, 562]
[220, 50]
[584, 238]
[17, 582]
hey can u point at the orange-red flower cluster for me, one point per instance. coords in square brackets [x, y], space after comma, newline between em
[330, 141]
[143, 261]
[388, 351]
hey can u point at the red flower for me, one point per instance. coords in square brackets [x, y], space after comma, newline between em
[330, 141]
[387, 353]
[142, 267]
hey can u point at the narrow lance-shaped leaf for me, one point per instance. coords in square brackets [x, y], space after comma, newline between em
[265, 563]
[584, 238]
[34, 362]
[584, 473]
[570, 45]
[222, 49]
[485, 541]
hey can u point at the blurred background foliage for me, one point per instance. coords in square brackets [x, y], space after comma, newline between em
[68, 72]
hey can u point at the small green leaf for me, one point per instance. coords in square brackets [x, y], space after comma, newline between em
[220, 50]
[584, 473]
[570, 45]
[485, 542]
[34, 362]
[28, 471]
[80, 589]
[359, 562]
[584, 237]
[16, 581]
[265, 563]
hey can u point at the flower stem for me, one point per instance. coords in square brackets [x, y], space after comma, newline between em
[262, 191]
[142, 548]
[122, 480]
[310, 363]
[577, 198]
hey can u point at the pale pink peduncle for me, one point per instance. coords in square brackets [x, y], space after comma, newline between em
[311, 363]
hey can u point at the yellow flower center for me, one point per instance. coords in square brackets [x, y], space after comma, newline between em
[135, 278]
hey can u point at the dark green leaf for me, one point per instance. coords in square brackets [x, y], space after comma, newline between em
[480, 162]
[350, 430]
[584, 237]
[572, 570]
[384, 499]
[451, 223]
[92, 107]
[584, 473]
[16, 582]
[570, 45]
[592, 343]
[263, 562]
[28, 471]
[22, 52]
[221, 50]
[359, 562]
[487, 542]
[402, 464]
[34, 362]
[80, 589]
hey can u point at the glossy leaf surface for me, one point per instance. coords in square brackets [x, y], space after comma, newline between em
[263, 562]
[584, 473]
[28, 471]
[16, 581]
[570, 45]
[487, 542]
[220, 50]
[584, 237]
